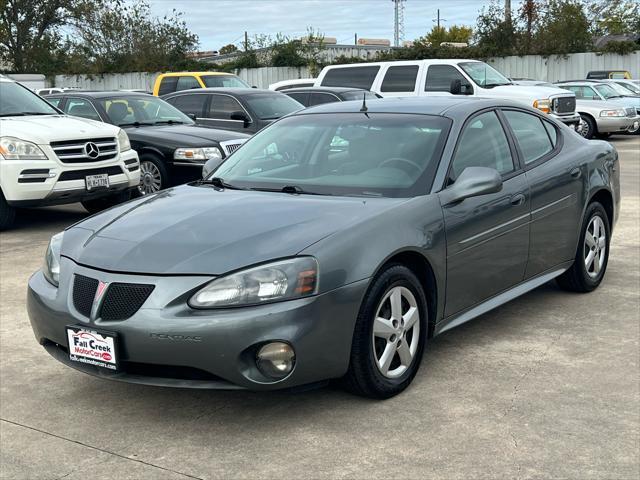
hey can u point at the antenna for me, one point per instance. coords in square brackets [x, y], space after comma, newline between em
[364, 108]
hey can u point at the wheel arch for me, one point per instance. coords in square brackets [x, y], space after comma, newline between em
[595, 123]
[605, 198]
[420, 265]
[152, 151]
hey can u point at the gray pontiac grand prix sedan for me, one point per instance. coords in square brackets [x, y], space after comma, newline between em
[332, 245]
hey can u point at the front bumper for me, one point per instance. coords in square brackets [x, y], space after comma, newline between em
[616, 124]
[50, 182]
[166, 343]
[572, 119]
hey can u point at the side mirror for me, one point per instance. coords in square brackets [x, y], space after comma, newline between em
[253, 86]
[455, 88]
[192, 116]
[472, 182]
[210, 165]
[241, 116]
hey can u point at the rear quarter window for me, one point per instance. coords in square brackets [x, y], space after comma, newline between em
[356, 77]
[401, 78]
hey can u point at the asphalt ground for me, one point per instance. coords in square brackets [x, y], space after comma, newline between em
[546, 386]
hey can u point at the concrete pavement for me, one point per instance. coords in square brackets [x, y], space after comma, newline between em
[546, 386]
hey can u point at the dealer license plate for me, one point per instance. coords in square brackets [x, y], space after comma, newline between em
[92, 347]
[97, 181]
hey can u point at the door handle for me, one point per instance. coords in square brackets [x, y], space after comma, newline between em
[518, 199]
[576, 172]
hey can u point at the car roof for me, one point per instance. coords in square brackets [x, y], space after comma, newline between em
[241, 92]
[99, 94]
[437, 105]
[325, 89]
[178, 74]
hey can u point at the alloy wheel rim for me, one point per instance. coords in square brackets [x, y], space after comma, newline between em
[584, 131]
[595, 246]
[150, 178]
[396, 332]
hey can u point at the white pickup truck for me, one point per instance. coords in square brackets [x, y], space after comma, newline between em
[48, 158]
[449, 77]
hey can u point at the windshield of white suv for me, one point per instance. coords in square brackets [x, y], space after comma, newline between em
[484, 75]
[606, 91]
[16, 100]
[377, 154]
[141, 110]
[226, 81]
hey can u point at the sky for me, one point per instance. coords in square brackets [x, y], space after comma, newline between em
[220, 22]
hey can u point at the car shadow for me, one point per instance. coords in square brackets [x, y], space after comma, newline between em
[47, 218]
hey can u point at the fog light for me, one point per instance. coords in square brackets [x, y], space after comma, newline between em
[276, 359]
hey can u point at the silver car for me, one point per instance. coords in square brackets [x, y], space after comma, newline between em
[603, 109]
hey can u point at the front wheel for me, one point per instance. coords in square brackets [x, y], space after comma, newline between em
[592, 255]
[389, 336]
[153, 175]
[589, 128]
[7, 213]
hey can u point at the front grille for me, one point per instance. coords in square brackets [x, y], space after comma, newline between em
[631, 112]
[123, 300]
[231, 146]
[564, 105]
[80, 174]
[84, 291]
[78, 151]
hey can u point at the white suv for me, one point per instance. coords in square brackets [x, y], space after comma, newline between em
[48, 158]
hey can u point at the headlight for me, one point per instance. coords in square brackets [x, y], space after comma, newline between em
[543, 104]
[51, 267]
[123, 141]
[204, 153]
[283, 280]
[16, 149]
[613, 113]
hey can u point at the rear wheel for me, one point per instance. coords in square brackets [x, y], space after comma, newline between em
[389, 336]
[153, 175]
[592, 255]
[7, 213]
[589, 128]
[99, 204]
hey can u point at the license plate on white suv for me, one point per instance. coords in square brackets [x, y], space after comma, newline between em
[92, 347]
[97, 181]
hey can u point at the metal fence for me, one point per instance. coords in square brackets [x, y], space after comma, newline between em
[553, 68]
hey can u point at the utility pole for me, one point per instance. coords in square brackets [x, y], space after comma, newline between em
[438, 19]
[398, 22]
[355, 38]
[246, 41]
[507, 11]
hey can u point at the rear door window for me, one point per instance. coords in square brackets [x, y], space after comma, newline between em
[167, 85]
[401, 78]
[531, 135]
[192, 104]
[222, 106]
[302, 97]
[187, 83]
[356, 77]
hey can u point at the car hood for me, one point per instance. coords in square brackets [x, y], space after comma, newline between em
[187, 135]
[43, 129]
[203, 230]
[626, 101]
[525, 91]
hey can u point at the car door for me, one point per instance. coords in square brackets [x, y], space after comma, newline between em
[191, 104]
[439, 78]
[556, 190]
[487, 236]
[218, 115]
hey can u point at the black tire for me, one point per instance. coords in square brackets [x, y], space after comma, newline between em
[577, 278]
[100, 204]
[604, 136]
[161, 169]
[7, 213]
[589, 129]
[364, 377]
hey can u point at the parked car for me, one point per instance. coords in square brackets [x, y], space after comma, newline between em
[294, 83]
[631, 85]
[604, 74]
[238, 109]
[176, 81]
[334, 243]
[448, 77]
[621, 106]
[310, 96]
[47, 158]
[172, 148]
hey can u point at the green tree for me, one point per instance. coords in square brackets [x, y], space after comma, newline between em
[228, 49]
[614, 17]
[564, 28]
[455, 33]
[494, 34]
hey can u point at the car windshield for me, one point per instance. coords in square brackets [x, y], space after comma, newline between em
[18, 100]
[632, 87]
[141, 110]
[373, 154]
[622, 89]
[272, 106]
[226, 81]
[484, 75]
[606, 91]
[358, 94]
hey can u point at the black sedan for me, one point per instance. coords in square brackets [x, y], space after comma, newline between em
[240, 109]
[172, 149]
[310, 96]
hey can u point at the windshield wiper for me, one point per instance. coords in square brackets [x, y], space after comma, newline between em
[220, 183]
[25, 114]
[168, 122]
[491, 85]
[291, 189]
[134, 124]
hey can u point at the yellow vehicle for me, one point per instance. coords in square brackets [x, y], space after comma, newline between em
[175, 81]
[608, 74]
